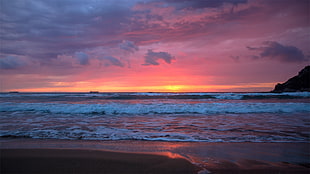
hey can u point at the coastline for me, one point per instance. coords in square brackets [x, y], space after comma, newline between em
[143, 156]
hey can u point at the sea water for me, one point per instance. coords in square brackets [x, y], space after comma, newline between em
[192, 117]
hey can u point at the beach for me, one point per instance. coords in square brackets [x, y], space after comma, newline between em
[89, 161]
[80, 156]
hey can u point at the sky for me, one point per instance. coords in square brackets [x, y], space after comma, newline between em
[151, 45]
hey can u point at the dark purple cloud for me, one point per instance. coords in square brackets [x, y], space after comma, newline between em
[151, 57]
[196, 4]
[276, 51]
[110, 60]
[11, 62]
[82, 58]
[128, 46]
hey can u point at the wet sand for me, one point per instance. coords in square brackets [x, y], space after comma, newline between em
[79, 156]
[89, 161]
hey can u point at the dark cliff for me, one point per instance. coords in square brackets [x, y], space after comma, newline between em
[301, 82]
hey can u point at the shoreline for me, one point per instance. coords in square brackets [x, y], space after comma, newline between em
[193, 156]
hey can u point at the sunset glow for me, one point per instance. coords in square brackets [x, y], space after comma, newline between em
[151, 45]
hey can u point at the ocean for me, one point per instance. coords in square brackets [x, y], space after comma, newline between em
[186, 117]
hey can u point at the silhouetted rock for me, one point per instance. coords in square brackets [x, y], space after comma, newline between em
[301, 82]
[94, 92]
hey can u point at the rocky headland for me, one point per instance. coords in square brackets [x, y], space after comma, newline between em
[298, 83]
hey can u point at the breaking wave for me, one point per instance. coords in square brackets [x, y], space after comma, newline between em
[156, 108]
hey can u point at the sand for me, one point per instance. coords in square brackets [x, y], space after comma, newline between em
[89, 161]
[81, 156]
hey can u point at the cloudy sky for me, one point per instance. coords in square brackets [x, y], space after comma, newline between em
[152, 45]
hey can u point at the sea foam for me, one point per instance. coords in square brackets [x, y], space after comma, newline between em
[155, 108]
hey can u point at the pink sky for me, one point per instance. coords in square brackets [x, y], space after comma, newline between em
[152, 45]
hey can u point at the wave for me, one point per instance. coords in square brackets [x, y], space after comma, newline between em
[155, 108]
[151, 95]
[108, 133]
